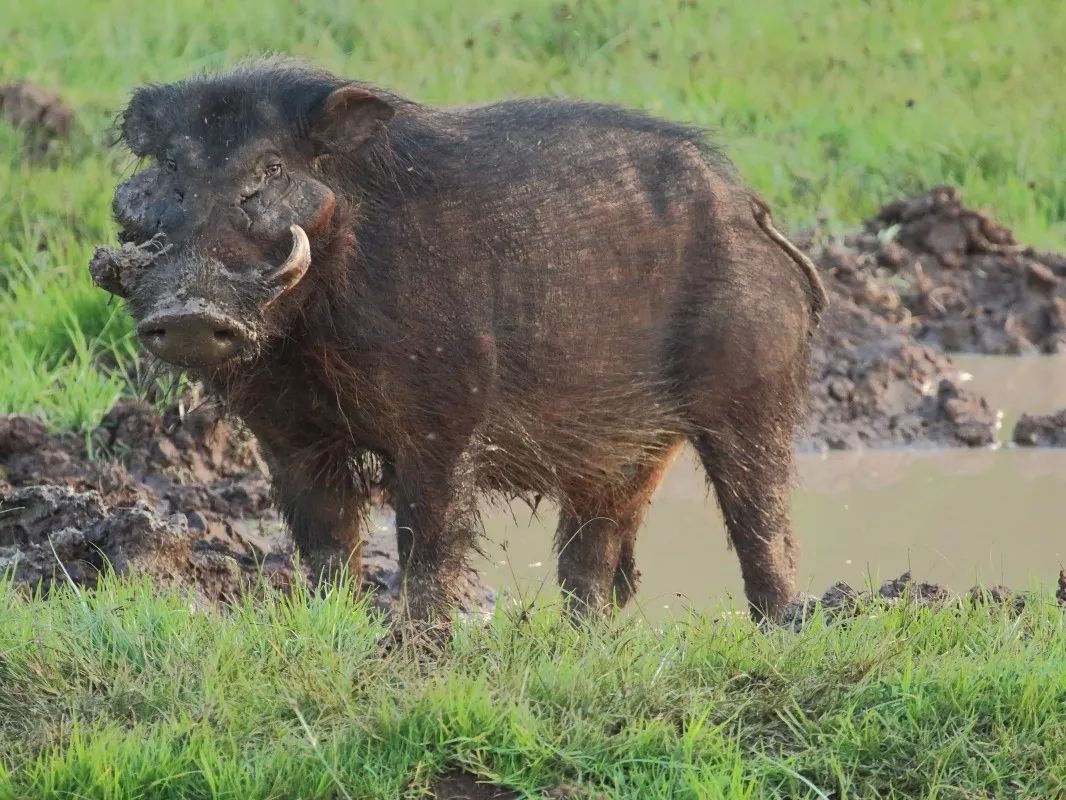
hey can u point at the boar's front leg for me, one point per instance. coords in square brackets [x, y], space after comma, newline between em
[436, 526]
[325, 505]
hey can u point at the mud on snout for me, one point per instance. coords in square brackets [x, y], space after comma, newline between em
[193, 311]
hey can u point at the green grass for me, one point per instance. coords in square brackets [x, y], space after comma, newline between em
[128, 693]
[830, 107]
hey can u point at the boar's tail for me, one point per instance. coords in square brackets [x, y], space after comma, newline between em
[819, 297]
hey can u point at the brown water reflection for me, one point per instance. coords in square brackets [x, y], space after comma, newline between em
[953, 516]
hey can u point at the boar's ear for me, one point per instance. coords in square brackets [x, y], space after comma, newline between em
[348, 117]
[143, 121]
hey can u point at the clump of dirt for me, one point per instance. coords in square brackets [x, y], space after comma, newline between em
[873, 385]
[461, 785]
[1041, 430]
[841, 601]
[952, 276]
[180, 496]
[43, 113]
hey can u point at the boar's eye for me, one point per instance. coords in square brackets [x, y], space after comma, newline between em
[171, 164]
[273, 170]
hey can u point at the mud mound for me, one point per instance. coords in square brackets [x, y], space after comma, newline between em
[179, 462]
[873, 385]
[926, 274]
[54, 533]
[44, 114]
[952, 276]
[181, 497]
[1041, 430]
[841, 601]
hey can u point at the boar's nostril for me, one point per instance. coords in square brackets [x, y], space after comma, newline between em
[191, 339]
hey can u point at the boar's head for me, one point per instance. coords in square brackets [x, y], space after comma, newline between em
[220, 228]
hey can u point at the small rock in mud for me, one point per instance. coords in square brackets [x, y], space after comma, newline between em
[1041, 430]
[43, 113]
[954, 277]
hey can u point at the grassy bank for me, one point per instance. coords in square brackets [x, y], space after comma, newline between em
[127, 693]
[829, 108]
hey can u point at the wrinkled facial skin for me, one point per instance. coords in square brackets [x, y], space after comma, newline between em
[226, 231]
[221, 225]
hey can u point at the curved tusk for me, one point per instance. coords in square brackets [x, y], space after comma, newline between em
[295, 267]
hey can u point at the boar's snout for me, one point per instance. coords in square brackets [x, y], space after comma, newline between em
[192, 338]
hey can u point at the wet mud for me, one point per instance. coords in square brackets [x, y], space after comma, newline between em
[874, 386]
[925, 277]
[953, 277]
[461, 785]
[841, 602]
[182, 497]
[1041, 430]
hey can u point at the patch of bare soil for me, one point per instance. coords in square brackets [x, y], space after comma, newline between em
[841, 601]
[954, 277]
[182, 497]
[461, 785]
[43, 113]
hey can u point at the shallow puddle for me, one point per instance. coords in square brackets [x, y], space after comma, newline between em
[954, 516]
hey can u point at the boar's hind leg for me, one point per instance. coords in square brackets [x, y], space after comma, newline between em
[750, 466]
[325, 507]
[597, 536]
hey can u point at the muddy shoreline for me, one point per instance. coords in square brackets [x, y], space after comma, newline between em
[924, 278]
[182, 497]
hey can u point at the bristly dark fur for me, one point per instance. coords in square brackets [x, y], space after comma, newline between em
[533, 297]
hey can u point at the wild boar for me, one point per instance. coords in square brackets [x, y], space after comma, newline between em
[536, 298]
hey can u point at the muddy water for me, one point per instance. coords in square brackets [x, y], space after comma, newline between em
[954, 516]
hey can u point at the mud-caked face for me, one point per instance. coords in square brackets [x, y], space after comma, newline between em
[221, 224]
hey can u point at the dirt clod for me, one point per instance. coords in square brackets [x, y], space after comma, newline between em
[905, 587]
[32, 107]
[1041, 430]
[924, 276]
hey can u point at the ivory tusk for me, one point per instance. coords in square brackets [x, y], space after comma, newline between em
[295, 267]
